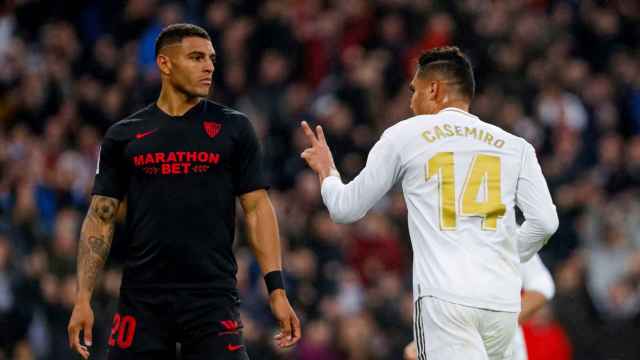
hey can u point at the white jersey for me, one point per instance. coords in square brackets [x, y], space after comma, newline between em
[536, 277]
[461, 179]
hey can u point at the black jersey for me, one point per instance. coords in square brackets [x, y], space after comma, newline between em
[180, 176]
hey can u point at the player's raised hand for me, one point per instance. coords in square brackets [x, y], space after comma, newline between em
[318, 156]
[290, 331]
[81, 319]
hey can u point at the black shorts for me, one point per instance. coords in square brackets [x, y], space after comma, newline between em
[149, 323]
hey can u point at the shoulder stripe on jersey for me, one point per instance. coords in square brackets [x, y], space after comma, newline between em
[124, 121]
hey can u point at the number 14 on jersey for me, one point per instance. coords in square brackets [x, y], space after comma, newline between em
[484, 170]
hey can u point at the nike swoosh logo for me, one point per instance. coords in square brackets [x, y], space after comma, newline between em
[234, 347]
[143, 134]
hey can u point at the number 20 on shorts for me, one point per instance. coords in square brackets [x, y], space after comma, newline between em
[123, 330]
[484, 170]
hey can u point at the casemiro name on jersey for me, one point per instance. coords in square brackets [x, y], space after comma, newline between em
[448, 130]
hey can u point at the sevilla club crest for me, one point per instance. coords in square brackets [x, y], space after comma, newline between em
[211, 128]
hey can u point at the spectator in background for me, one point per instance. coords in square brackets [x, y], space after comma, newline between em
[168, 13]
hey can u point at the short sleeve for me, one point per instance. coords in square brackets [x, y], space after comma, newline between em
[248, 167]
[111, 171]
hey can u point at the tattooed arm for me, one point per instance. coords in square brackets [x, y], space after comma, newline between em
[93, 249]
[95, 242]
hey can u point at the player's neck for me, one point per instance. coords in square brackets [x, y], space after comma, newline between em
[174, 103]
[458, 104]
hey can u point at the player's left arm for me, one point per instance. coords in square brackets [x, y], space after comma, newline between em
[538, 286]
[534, 199]
[264, 239]
[350, 202]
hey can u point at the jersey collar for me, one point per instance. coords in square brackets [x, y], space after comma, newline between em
[195, 110]
[460, 111]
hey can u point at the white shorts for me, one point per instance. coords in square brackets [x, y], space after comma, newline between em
[519, 346]
[448, 331]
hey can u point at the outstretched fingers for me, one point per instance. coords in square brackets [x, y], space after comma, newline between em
[309, 133]
[320, 133]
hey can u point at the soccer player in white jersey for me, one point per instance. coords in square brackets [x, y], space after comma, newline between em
[462, 179]
[537, 289]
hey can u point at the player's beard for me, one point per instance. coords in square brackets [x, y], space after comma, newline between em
[192, 93]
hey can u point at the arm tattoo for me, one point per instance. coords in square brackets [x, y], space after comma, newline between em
[104, 208]
[98, 246]
[95, 240]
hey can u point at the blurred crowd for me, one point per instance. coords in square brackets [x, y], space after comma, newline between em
[565, 75]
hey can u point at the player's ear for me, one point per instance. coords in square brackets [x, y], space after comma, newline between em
[433, 89]
[164, 64]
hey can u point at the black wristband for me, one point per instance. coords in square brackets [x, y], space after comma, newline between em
[274, 281]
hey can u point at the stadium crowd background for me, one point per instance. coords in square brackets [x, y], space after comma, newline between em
[565, 75]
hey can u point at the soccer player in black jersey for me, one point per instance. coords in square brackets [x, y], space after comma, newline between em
[180, 162]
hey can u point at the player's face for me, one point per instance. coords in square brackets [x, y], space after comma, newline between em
[192, 66]
[423, 99]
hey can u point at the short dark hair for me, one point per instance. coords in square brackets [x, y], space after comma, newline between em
[174, 34]
[452, 63]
